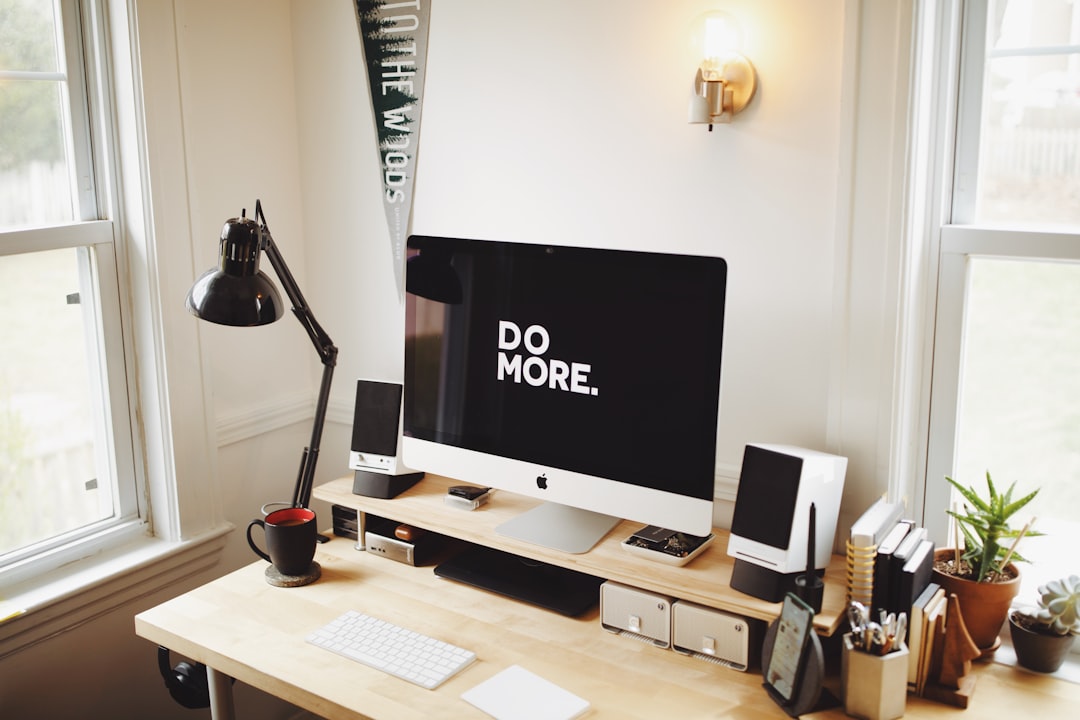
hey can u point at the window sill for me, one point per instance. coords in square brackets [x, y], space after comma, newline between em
[73, 595]
[1069, 670]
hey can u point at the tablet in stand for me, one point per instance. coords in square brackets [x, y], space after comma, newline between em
[811, 676]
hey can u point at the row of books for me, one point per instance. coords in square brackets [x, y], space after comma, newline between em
[890, 559]
[926, 636]
[890, 568]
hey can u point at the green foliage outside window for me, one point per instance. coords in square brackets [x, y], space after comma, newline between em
[29, 108]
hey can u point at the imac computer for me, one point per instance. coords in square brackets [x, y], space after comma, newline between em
[587, 378]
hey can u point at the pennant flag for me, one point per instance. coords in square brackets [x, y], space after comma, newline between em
[394, 36]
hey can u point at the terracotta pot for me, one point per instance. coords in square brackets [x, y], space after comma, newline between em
[985, 606]
[1041, 652]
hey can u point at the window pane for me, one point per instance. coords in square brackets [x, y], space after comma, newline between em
[35, 177]
[35, 182]
[28, 31]
[1029, 158]
[48, 468]
[1020, 399]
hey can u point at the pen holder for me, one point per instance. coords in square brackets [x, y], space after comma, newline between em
[874, 687]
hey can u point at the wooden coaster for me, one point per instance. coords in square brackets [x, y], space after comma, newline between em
[277, 579]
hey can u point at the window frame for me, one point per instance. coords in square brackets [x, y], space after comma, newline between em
[95, 241]
[959, 243]
[139, 166]
[100, 302]
[942, 234]
[952, 37]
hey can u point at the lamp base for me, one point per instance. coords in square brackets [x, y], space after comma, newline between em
[380, 485]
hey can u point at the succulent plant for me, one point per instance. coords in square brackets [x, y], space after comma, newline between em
[1059, 606]
[985, 525]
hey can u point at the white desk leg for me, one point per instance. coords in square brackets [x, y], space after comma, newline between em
[221, 698]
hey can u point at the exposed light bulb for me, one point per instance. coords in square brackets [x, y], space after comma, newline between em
[721, 41]
[725, 80]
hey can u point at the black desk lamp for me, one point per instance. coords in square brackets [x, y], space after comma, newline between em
[237, 293]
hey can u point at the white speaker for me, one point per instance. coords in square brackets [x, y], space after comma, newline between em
[628, 611]
[771, 524]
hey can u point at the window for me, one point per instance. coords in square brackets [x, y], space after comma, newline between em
[1006, 387]
[139, 507]
[67, 469]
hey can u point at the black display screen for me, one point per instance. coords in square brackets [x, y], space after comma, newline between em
[603, 362]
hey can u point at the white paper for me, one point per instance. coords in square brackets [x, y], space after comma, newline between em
[517, 694]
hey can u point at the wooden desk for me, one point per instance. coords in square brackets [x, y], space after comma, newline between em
[244, 628]
[706, 580]
[240, 626]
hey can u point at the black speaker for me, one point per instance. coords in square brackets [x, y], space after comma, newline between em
[376, 448]
[186, 682]
[376, 423]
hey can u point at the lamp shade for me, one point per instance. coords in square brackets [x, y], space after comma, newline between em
[236, 292]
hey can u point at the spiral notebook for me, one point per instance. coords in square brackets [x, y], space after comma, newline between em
[517, 694]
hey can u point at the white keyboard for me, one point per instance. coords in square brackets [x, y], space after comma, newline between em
[395, 650]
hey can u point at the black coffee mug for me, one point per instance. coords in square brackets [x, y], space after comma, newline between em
[290, 539]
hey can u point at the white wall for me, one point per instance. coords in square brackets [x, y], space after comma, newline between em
[240, 129]
[565, 122]
[557, 121]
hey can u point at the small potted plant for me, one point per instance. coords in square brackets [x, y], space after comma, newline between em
[982, 574]
[1043, 636]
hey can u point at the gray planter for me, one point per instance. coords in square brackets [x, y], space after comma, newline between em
[1039, 651]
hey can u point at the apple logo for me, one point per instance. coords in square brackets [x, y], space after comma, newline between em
[541, 482]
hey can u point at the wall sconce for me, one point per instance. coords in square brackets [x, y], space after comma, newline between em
[725, 81]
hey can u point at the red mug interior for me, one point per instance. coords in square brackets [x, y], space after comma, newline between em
[290, 516]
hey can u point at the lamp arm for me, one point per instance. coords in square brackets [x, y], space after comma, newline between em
[322, 342]
[305, 479]
[323, 345]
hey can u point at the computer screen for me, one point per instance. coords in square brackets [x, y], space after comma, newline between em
[585, 377]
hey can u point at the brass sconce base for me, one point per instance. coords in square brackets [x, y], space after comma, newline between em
[723, 92]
